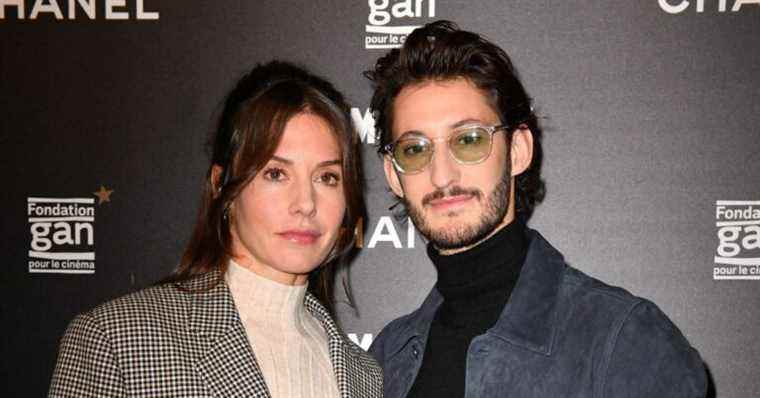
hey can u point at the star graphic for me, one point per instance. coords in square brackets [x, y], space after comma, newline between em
[104, 195]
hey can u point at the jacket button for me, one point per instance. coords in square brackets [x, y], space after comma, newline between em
[415, 352]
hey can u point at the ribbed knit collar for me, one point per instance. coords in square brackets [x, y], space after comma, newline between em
[480, 280]
[263, 301]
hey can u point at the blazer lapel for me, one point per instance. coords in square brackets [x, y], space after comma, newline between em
[225, 359]
[357, 374]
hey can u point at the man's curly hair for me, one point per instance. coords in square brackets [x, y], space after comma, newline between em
[442, 51]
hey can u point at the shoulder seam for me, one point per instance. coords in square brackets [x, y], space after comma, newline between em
[107, 339]
[612, 343]
[607, 292]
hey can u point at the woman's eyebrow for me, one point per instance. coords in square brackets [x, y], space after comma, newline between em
[330, 162]
[282, 160]
[320, 164]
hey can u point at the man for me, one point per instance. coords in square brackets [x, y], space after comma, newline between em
[507, 316]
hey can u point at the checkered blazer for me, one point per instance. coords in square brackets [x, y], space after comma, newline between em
[167, 342]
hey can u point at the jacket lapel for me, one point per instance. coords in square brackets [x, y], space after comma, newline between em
[224, 358]
[529, 319]
[357, 374]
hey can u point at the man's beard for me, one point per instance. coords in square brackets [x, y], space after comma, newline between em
[496, 207]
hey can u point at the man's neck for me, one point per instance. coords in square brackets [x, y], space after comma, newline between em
[481, 278]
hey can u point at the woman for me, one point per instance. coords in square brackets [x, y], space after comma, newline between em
[280, 205]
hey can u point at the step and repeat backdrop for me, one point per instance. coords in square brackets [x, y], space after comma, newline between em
[651, 111]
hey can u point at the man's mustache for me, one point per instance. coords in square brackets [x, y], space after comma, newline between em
[453, 191]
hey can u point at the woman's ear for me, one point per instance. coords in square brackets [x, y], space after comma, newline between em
[215, 175]
[522, 150]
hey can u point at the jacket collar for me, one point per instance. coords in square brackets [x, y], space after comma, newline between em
[356, 375]
[529, 317]
[227, 361]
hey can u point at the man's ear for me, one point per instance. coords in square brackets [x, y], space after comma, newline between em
[521, 150]
[216, 174]
[391, 176]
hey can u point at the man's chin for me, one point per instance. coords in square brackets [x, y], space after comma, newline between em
[451, 224]
[452, 236]
[451, 229]
[456, 231]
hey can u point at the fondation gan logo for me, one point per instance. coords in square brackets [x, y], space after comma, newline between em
[738, 253]
[389, 22]
[63, 233]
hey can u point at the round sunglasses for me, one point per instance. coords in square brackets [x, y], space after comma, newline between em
[469, 144]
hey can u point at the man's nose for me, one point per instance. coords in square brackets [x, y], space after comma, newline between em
[444, 169]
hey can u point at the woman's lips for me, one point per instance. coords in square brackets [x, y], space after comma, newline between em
[449, 202]
[303, 237]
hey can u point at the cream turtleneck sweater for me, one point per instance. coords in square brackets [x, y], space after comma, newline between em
[289, 344]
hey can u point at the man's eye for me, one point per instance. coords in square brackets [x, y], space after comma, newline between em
[414, 149]
[274, 174]
[470, 138]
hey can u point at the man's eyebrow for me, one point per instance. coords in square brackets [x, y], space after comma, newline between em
[455, 125]
[465, 122]
[412, 133]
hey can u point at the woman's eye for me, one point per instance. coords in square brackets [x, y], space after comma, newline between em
[274, 174]
[330, 179]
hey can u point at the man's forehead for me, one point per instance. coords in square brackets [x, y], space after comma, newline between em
[433, 107]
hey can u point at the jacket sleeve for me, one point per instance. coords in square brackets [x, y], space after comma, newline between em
[86, 366]
[377, 349]
[649, 357]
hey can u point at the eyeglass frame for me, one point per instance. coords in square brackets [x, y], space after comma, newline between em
[387, 149]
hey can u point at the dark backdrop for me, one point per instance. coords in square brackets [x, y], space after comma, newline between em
[651, 110]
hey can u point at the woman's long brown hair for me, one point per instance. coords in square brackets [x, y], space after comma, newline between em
[250, 127]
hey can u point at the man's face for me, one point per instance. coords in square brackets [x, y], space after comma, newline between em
[453, 205]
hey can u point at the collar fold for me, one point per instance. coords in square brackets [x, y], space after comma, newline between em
[226, 360]
[529, 317]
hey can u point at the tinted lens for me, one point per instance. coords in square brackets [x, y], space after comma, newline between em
[471, 145]
[413, 154]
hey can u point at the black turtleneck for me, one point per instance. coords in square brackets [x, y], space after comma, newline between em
[475, 285]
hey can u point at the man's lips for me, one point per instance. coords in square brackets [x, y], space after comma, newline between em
[449, 202]
[303, 237]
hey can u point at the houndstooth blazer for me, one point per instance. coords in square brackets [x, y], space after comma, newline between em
[167, 342]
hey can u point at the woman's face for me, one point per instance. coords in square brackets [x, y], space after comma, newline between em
[287, 219]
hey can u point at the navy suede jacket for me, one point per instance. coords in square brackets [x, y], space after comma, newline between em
[561, 334]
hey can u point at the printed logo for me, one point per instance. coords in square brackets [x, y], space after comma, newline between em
[63, 233]
[364, 342]
[78, 9]
[364, 125]
[388, 24]
[385, 232]
[679, 6]
[738, 252]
